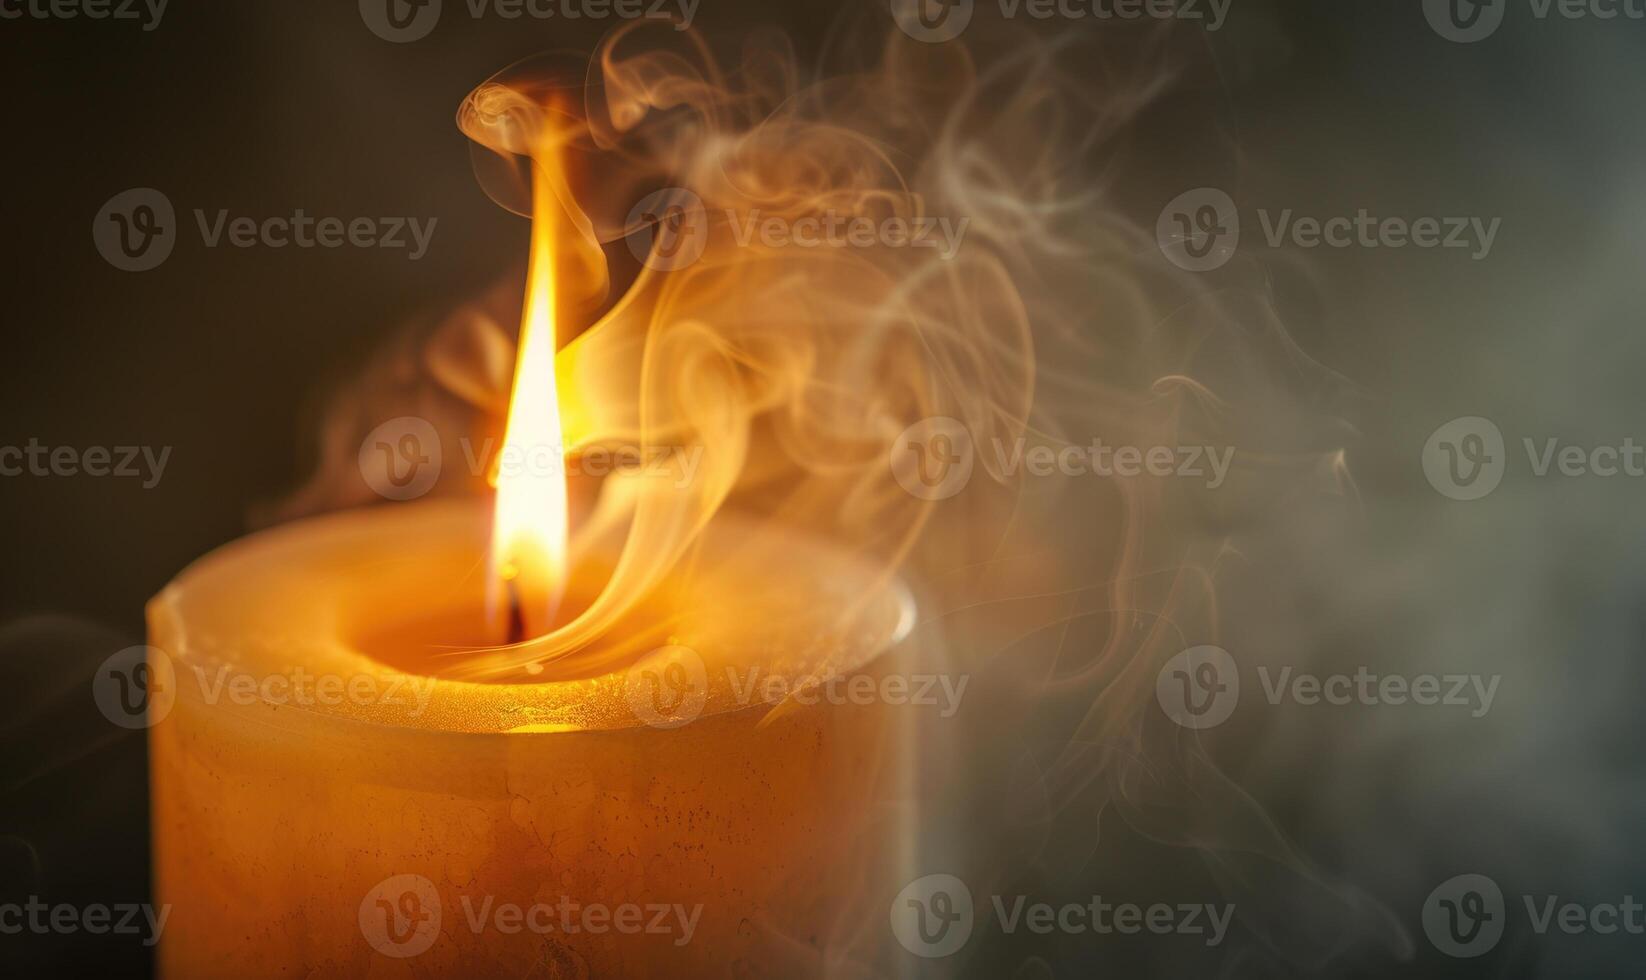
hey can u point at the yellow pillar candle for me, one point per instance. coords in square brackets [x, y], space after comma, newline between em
[330, 801]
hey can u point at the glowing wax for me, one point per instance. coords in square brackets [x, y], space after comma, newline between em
[276, 816]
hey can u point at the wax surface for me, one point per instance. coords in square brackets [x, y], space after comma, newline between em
[369, 593]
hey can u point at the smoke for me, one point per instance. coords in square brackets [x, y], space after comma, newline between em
[799, 373]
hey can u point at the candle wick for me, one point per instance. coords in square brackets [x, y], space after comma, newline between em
[517, 617]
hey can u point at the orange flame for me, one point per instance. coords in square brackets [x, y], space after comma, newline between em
[529, 530]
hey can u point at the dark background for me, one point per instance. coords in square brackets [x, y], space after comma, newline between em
[225, 355]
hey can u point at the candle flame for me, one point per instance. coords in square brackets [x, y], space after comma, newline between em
[529, 530]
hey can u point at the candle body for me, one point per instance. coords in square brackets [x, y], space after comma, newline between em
[370, 837]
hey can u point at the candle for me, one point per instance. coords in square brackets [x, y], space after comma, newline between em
[464, 737]
[328, 801]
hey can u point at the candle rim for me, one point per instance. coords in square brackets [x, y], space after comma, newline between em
[271, 553]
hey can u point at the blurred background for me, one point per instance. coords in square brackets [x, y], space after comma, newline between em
[225, 356]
